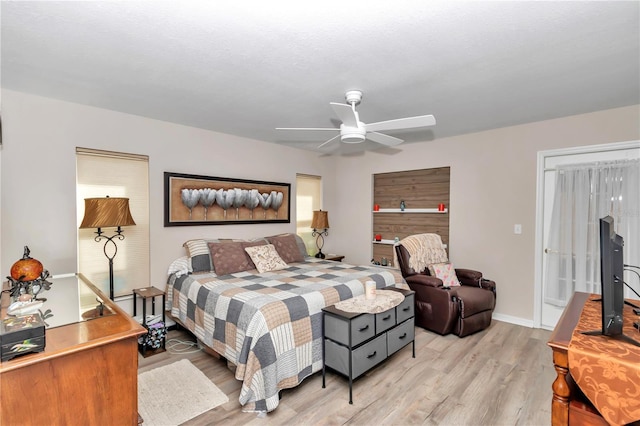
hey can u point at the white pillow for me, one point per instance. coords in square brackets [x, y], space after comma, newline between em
[180, 266]
[266, 258]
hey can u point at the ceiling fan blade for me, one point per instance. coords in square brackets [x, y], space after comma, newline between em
[383, 139]
[402, 123]
[346, 114]
[314, 129]
[323, 144]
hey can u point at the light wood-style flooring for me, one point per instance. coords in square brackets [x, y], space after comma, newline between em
[501, 376]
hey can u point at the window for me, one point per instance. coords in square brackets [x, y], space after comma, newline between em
[308, 199]
[101, 174]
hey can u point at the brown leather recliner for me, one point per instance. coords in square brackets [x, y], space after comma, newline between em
[460, 310]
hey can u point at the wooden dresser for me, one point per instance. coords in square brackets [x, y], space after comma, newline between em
[88, 372]
[569, 406]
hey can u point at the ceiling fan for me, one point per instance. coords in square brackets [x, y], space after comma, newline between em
[352, 130]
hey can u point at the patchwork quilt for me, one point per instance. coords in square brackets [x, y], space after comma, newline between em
[269, 325]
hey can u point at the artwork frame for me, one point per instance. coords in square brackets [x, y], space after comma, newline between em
[212, 200]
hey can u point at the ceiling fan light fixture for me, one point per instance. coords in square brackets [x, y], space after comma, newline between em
[353, 134]
[352, 137]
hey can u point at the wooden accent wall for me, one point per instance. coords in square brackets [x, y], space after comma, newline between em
[420, 189]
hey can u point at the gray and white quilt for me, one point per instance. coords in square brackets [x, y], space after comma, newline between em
[269, 325]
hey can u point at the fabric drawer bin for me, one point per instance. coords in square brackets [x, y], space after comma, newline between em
[362, 329]
[363, 358]
[405, 310]
[385, 320]
[400, 336]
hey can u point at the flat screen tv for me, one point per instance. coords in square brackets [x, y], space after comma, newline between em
[611, 280]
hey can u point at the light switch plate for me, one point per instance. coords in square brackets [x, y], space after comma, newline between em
[517, 229]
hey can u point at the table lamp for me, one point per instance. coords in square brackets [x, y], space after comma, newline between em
[320, 221]
[107, 212]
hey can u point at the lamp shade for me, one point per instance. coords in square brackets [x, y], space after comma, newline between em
[320, 220]
[106, 212]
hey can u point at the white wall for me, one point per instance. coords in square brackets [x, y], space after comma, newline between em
[493, 187]
[38, 176]
[493, 184]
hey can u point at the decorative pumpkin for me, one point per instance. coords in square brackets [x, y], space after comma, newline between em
[27, 268]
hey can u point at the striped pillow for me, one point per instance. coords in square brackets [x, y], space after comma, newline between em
[198, 252]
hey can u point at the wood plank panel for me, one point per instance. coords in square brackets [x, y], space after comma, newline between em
[424, 188]
[427, 195]
[382, 250]
[408, 177]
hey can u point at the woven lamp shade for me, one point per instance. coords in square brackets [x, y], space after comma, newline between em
[320, 220]
[106, 212]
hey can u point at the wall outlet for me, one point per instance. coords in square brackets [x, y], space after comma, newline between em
[517, 229]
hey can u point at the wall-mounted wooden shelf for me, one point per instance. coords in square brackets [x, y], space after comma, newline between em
[392, 242]
[384, 242]
[411, 211]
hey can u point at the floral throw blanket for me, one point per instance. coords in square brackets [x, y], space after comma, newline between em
[269, 325]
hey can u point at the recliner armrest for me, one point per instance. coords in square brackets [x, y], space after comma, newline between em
[469, 277]
[488, 284]
[468, 274]
[425, 280]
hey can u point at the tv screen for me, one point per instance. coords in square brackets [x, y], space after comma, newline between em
[611, 270]
[612, 284]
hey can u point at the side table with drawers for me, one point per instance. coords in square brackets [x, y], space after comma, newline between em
[353, 343]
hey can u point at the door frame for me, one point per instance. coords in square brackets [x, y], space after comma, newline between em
[540, 196]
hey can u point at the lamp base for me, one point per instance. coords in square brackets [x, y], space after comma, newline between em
[320, 255]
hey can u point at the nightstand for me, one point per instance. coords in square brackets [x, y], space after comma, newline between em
[145, 293]
[334, 257]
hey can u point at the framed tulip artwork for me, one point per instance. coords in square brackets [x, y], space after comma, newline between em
[207, 200]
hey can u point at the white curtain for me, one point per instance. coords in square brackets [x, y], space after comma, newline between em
[585, 193]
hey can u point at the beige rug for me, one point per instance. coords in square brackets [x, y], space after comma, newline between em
[175, 393]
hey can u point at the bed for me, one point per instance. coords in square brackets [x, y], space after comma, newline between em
[268, 325]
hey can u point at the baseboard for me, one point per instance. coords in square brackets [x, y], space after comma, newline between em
[513, 320]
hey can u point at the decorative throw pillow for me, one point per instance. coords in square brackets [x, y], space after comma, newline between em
[229, 257]
[287, 248]
[446, 273]
[198, 251]
[299, 241]
[266, 258]
[255, 243]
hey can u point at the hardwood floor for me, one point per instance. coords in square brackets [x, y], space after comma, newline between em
[501, 376]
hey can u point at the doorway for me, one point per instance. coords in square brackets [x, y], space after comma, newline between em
[546, 315]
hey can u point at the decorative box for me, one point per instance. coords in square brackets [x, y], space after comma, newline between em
[20, 335]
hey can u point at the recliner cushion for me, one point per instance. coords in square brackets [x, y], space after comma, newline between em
[474, 300]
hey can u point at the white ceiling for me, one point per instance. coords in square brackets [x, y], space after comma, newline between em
[246, 67]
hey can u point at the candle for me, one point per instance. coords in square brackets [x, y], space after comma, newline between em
[370, 290]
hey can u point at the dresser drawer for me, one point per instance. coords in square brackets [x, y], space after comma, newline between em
[337, 329]
[385, 320]
[365, 357]
[400, 336]
[406, 309]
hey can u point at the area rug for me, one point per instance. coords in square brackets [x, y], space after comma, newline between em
[175, 393]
